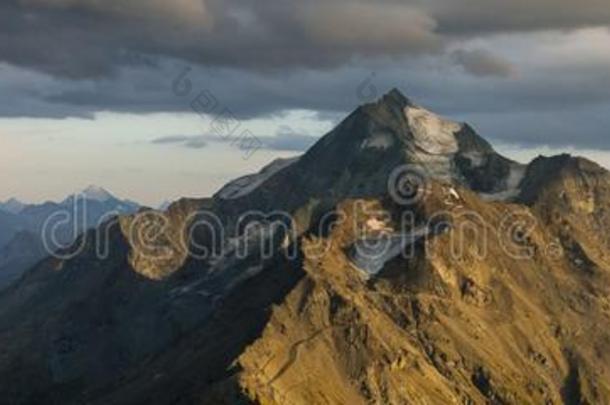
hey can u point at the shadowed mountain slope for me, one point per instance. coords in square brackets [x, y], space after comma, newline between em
[402, 260]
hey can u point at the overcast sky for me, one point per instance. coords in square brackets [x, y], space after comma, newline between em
[101, 91]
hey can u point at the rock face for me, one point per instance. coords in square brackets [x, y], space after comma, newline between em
[402, 260]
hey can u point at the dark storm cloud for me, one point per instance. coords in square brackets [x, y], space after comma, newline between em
[469, 17]
[579, 128]
[560, 100]
[264, 58]
[93, 38]
[479, 62]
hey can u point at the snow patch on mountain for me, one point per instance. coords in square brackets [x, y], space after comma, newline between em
[454, 194]
[370, 255]
[431, 133]
[512, 188]
[477, 159]
[96, 193]
[379, 140]
[247, 184]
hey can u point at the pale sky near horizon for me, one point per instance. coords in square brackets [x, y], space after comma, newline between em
[89, 95]
[130, 155]
[128, 163]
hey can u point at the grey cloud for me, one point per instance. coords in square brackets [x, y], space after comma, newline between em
[177, 11]
[191, 142]
[93, 38]
[261, 59]
[579, 128]
[369, 28]
[467, 17]
[479, 62]
[286, 140]
[337, 92]
[196, 143]
[172, 139]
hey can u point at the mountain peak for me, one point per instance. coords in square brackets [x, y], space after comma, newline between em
[101, 195]
[362, 154]
[396, 97]
[96, 193]
[13, 206]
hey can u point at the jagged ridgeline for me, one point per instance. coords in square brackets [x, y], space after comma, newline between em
[399, 260]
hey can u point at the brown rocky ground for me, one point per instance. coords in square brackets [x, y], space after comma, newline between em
[501, 302]
[480, 327]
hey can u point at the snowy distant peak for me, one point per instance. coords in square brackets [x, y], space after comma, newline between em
[91, 193]
[13, 206]
[96, 193]
[103, 198]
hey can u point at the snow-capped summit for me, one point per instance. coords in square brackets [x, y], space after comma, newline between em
[102, 196]
[372, 146]
[96, 193]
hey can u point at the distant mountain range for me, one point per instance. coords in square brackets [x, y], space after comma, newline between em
[10, 224]
[29, 232]
[12, 206]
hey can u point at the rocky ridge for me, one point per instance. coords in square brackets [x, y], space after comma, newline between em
[496, 291]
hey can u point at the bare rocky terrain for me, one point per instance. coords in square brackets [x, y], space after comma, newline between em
[485, 282]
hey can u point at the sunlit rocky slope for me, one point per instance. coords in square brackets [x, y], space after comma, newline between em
[402, 261]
